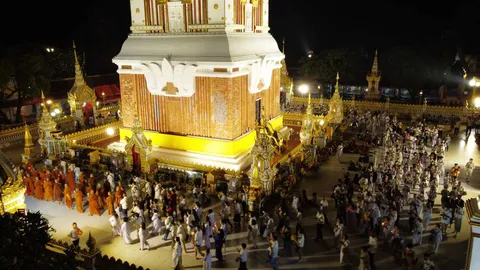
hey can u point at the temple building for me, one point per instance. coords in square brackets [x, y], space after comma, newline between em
[200, 71]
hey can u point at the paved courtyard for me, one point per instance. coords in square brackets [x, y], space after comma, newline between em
[317, 255]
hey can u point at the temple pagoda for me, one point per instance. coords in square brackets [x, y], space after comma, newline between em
[373, 79]
[201, 71]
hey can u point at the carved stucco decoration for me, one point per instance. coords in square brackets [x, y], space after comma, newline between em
[127, 100]
[260, 76]
[166, 80]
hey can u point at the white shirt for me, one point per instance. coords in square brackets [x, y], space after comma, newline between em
[275, 249]
[123, 202]
[199, 238]
[243, 255]
[301, 240]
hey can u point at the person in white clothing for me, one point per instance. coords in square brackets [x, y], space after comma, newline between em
[300, 243]
[156, 223]
[470, 166]
[207, 260]
[182, 234]
[177, 254]
[126, 231]
[343, 248]
[340, 152]
[124, 204]
[242, 257]
[142, 235]
[198, 242]
[115, 223]
[295, 203]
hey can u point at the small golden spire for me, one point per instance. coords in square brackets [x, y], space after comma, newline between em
[78, 70]
[44, 109]
[336, 86]
[375, 63]
[283, 47]
[28, 137]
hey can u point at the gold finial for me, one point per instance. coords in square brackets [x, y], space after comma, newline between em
[28, 137]
[78, 70]
[283, 47]
[375, 63]
[44, 103]
[43, 96]
[336, 86]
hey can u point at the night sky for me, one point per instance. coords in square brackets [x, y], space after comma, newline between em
[99, 27]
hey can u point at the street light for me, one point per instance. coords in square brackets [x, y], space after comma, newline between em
[50, 49]
[49, 102]
[477, 102]
[303, 88]
[110, 131]
[310, 54]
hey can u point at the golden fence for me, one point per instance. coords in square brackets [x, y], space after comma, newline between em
[397, 108]
[16, 136]
[90, 135]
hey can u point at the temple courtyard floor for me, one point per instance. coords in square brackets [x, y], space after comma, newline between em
[317, 255]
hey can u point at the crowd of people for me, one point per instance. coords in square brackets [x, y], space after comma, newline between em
[402, 178]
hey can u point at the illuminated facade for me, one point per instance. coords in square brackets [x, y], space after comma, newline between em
[200, 72]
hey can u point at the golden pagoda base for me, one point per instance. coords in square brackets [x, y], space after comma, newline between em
[199, 153]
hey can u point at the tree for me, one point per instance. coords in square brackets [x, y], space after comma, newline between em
[24, 240]
[323, 66]
[24, 72]
[413, 68]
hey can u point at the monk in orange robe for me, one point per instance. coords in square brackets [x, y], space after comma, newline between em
[93, 204]
[38, 189]
[118, 196]
[67, 192]
[101, 197]
[56, 172]
[110, 203]
[29, 185]
[91, 180]
[71, 180]
[79, 200]
[58, 191]
[48, 188]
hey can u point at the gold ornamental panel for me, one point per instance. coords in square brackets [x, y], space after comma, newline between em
[127, 90]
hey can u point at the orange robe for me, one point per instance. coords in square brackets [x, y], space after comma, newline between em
[91, 181]
[57, 191]
[71, 180]
[68, 196]
[118, 196]
[79, 201]
[38, 189]
[29, 186]
[110, 204]
[48, 188]
[101, 198]
[93, 204]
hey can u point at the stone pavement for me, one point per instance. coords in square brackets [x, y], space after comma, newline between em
[317, 255]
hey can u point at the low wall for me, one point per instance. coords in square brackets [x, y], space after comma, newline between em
[16, 136]
[397, 108]
[88, 136]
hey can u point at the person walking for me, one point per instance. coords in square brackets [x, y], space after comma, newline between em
[343, 248]
[469, 169]
[274, 252]
[300, 244]
[198, 242]
[126, 231]
[142, 235]
[177, 254]
[115, 223]
[458, 216]
[242, 257]
[219, 237]
[437, 237]
[320, 217]
[75, 235]
[207, 260]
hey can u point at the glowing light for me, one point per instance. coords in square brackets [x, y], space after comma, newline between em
[97, 103]
[477, 84]
[103, 93]
[53, 114]
[322, 122]
[471, 82]
[84, 104]
[303, 88]
[74, 141]
[318, 87]
[41, 104]
[49, 102]
[477, 102]
[57, 111]
[110, 131]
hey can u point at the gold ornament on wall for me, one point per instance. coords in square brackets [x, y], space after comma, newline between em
[255, 3]
[215, 6]
[137, 10]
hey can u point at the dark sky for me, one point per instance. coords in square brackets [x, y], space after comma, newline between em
[100, 26]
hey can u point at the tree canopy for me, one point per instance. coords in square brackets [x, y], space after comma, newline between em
[24, 240]
[26, 70]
